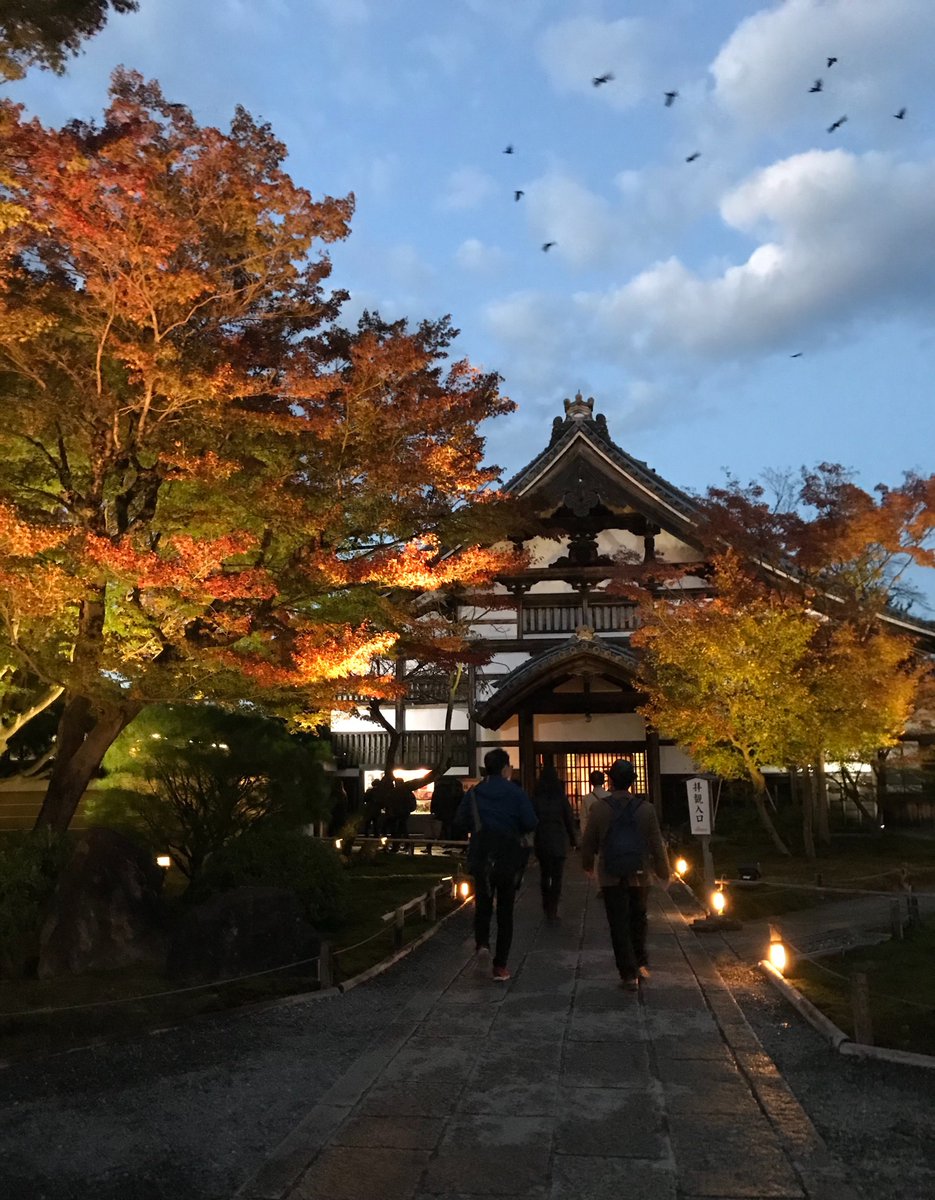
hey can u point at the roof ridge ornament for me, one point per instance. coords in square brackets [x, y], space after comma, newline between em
[579, 409]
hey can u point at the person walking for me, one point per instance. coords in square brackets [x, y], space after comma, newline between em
[496, 813]
[597, 792]
[447, 795]
[554, 834]
[623, 834]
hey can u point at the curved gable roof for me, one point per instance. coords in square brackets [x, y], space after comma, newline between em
[577, 656]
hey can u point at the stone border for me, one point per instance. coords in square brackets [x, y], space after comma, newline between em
[837, 1038]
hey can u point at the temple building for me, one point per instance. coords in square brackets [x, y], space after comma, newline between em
[559, 684]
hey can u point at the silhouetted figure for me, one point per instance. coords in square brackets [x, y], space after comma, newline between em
[601, 79]
[901, 115]
[692, 157]
[798, 354]
[554, 834]
[518, 195]
[339, 808]
[816, 86]
[831, 62]
[508, 150]
[671, 97]
[446, 798]
[547, 246]
[836, 124]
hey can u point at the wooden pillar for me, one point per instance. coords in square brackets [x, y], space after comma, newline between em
[653, 770]
[527, 750]
[472, 724]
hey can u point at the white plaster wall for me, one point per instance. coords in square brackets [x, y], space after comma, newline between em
[502, 628]
[480, 612]
[674, 761]
[508, 732]
[603, 727]
[502, 664]
[616, 541]
[342, 723]
[433, 717]
[671, 550]
[551, 587]
[544, 551]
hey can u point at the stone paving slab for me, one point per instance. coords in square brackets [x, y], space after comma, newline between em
[560, 1084]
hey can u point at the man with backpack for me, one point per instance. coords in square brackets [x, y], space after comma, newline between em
[623, 833]
[497, 813]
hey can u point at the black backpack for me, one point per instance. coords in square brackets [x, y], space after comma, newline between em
[624, 846]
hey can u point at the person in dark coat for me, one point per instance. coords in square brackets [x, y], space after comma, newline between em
[554, 834]
[497, 814]
[447, 795]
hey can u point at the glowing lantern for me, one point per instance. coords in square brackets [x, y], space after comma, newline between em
[718, 902]
[164, 861]
[681, 867]
[778, 956]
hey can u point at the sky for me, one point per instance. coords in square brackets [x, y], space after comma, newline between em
[676, 293]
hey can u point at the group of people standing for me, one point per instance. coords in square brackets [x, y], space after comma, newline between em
[501, 818]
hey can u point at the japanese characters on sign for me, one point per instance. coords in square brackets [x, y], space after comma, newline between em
[699, 805]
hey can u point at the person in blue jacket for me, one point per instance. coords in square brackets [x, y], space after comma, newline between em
[496, 813]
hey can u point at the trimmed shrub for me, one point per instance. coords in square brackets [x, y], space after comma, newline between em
[29, 869]
[270, 857]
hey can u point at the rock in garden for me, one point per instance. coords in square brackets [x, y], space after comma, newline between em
[106, 911]
[237, 932]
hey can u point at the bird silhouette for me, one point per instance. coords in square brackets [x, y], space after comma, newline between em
[508, 150]
[836, 124]
[599, 79]
[831, 62]
[900, 115]
[816, 86]
[518, 195]
[798, 354]
[671, 97]
[692, 157]
[547, 246]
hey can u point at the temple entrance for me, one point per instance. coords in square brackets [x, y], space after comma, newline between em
[574, 767]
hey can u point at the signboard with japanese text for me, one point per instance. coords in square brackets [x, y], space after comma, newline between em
[699, 805]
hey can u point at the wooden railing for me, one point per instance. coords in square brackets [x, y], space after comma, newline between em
[420, 748]
[602, 616]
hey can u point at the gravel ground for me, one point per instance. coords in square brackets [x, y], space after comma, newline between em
[877, 1118]
[191, 1112]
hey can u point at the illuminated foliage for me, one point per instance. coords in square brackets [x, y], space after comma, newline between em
[208, 488]
[46, 32]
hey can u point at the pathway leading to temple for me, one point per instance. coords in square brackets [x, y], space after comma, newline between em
[560, 1085]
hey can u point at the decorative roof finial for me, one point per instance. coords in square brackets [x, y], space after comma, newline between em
[579, 409]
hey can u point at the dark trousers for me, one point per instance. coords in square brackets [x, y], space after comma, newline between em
[494, 889]
[626, 916]
[551, 867]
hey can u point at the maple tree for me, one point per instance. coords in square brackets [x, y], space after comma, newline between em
[792, 658]
[46, 32]
[209, 488]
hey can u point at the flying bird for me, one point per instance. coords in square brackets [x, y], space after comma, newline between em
[599, 79]
[547, 246]
[508, 150]
[671, 97]
[816, 86]
[836, 124]
[900, 115]
[692, 157]
[831, 62]
[798, 354]
[518, 195]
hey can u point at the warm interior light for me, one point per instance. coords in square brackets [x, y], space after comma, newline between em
[718, 902]
[337, 843]
[164, 860]
[778, 956]
[465, 889]
[383, 841]
[681, 866]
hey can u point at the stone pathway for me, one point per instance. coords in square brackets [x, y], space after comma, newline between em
[559, 1085]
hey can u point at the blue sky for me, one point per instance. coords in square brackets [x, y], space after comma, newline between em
[676, 292]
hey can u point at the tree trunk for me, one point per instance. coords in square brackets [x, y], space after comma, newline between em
[821, 799]
[49, 696]
[759, 799]
[808, 812]
[84, 737]
[882, 787]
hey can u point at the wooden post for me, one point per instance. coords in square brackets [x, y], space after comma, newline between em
[399, 924]
[896, 920]
[860, 1006]
[431, 897]
[708, 864]
[325, 966]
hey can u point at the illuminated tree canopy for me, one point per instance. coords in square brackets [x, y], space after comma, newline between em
[208, 487]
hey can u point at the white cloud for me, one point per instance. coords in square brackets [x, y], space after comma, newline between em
[467, 187]
[574, 51]
[474, 255]
[844, 237]
[884, 48]
[583, 224]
